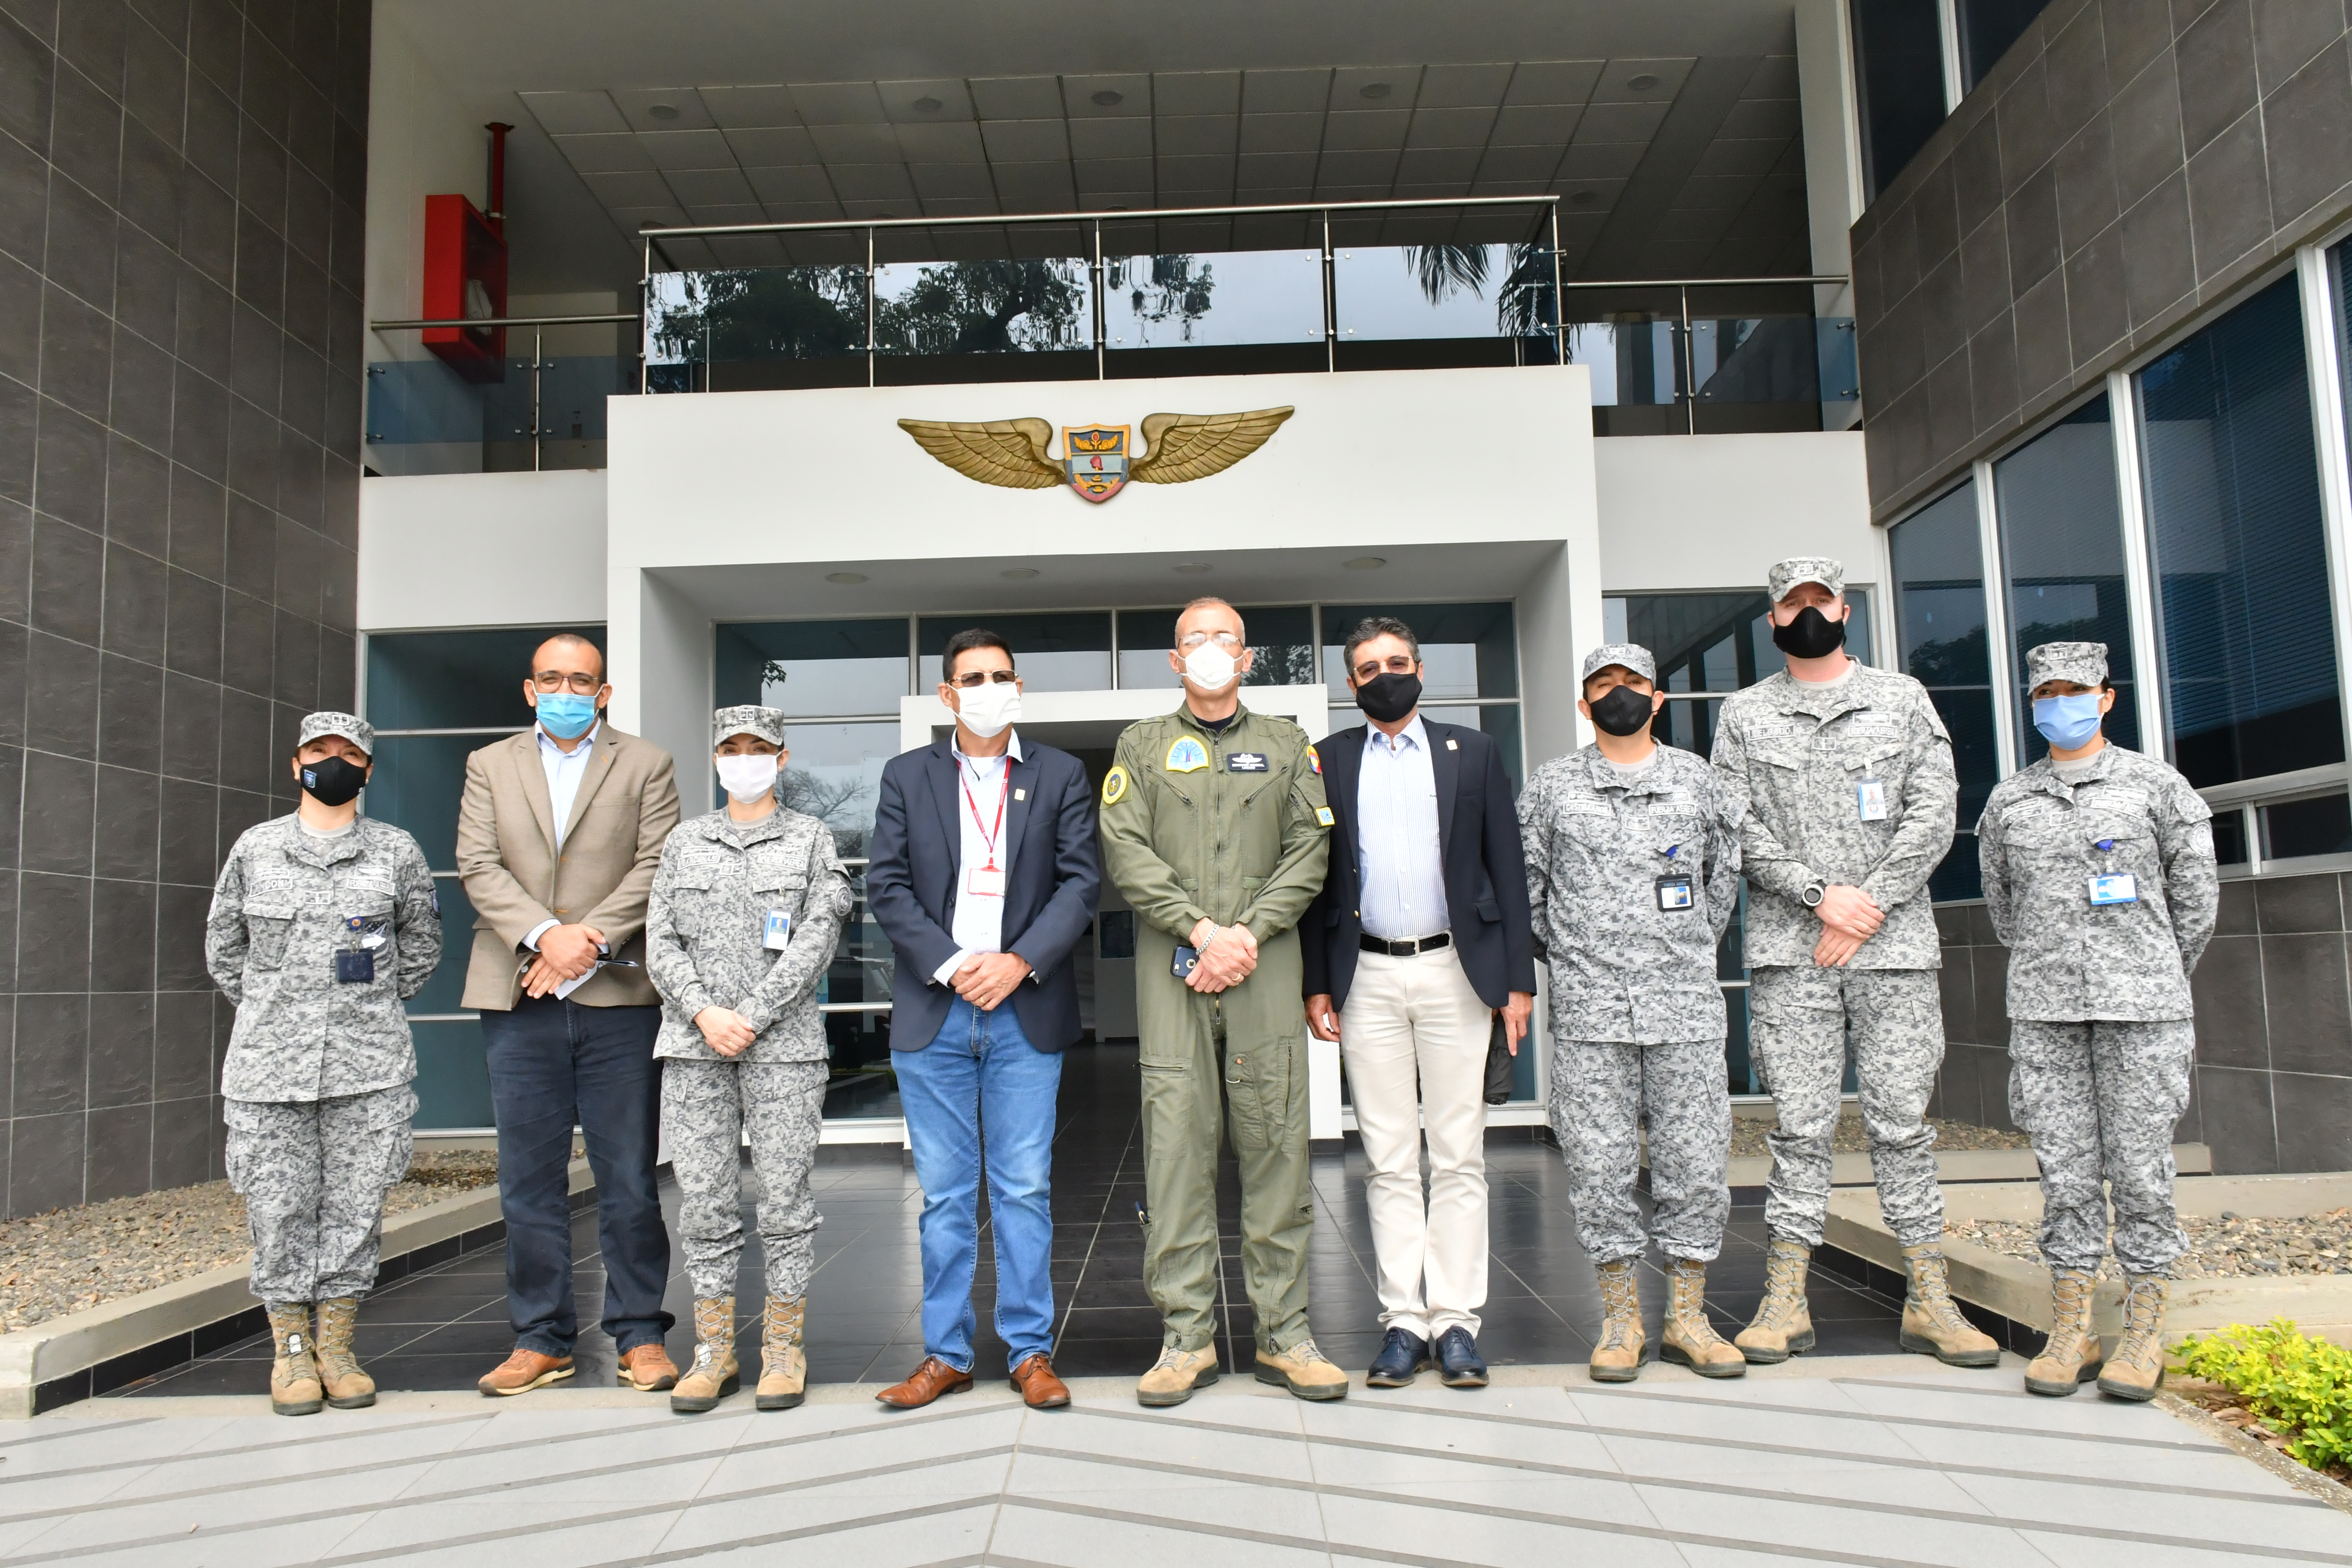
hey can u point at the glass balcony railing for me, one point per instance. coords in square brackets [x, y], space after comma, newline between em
[1202, 292]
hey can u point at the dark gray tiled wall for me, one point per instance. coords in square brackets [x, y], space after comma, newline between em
[2127, 167]
[2274, 1081]
[181, 186]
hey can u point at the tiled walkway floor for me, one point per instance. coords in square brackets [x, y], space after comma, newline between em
[1885, 1460]
[442, 1329]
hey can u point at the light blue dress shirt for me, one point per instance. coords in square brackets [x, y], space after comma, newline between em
[564, 772]
[1400, 865]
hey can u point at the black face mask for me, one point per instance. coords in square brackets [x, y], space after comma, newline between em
[1389, 698]
[1812, 634]
[1622, 711]
[334, 781]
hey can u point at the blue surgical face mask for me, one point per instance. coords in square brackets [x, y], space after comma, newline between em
[2069, 723]
[566, 715]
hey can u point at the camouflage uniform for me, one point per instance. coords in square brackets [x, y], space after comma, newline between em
[705, 934]
[315, 1084]
[1797, 755]
[1636, 1009]
[2100, 1033]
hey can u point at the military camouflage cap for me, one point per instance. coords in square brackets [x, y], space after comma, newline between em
[1796, 569]
[747, 719]
[2084, 663]
[1631, 654]
[349, 726]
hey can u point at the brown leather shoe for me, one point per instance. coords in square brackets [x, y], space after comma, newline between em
[931, 1379]
[524, 1371]
[647, 1369]
[1040, 1389]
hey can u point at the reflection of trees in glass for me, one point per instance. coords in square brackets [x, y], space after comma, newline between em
[987, 307]
[764, 313]
[1951, 661]
[1523, 302]
[835, 801]
[1162, 289]
[1283, 663]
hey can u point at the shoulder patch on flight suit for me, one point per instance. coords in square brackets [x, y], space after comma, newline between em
[1323, 814]
[1114, 785]
[1186, 755]
[1314, 759]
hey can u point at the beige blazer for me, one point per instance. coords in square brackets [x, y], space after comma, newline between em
[626, 808]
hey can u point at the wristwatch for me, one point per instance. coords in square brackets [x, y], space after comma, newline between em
[1812, 893]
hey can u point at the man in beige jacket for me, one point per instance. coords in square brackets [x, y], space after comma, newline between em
[558, 839]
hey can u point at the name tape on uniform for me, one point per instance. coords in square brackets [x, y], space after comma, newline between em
[1245, 761]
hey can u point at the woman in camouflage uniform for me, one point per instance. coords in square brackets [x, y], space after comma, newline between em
[745, 911]
[323, 923]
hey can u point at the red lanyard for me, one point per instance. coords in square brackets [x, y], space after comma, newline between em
[988, 834]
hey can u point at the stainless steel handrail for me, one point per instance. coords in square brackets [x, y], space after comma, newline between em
[538, 361]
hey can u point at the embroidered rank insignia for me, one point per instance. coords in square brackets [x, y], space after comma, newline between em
[1186, 755]
[1114, 785]
[1314, 759]
[1323, 814]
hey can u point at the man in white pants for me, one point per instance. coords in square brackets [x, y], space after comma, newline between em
[1421, 936]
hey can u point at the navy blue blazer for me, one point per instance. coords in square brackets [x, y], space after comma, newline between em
[1052, 877]
[1478, 846]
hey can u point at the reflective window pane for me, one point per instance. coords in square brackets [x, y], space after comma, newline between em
[836, 776]
[1282, 636]
[1755, 359]
[2241, 559]
[814, 668]
[1176, 314]
[1898, 67]
[738, 329]
[449, 681]
[1466, 650]
[2061, 544]
[2318, 825]
[1987, 30]
[1053, 652]
[1939, 610]
[1413, 306]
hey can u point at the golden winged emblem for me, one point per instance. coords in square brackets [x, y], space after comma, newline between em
[1097, 460]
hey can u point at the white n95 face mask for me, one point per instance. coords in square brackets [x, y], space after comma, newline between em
[989, 709]
[1210, 667]
[747, 778]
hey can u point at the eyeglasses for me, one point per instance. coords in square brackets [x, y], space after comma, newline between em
[555, 680]
[1225, 640]
[1396, 664]
[972, 679]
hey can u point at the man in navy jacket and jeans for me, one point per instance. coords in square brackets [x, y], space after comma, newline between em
[983, 875]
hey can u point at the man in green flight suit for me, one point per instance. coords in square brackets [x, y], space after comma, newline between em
[1214, 828]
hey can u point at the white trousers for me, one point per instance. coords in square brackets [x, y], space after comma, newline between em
[1408, 1020]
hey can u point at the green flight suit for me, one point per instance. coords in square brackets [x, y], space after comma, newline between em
[1232, 826]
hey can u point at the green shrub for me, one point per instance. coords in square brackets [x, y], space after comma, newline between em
[2298, 1387]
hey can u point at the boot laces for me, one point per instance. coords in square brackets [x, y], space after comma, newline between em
[1781, 1292]
[1170, 1359]
[2143, 1314]
[1305, 1353]
[1931, 1289]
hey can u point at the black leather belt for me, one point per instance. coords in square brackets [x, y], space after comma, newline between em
[1405, 949]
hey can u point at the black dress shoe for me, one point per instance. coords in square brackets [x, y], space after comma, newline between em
[1457, 1360]
[1402, 1353]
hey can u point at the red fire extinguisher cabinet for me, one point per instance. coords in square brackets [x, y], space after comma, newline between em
[465, 276]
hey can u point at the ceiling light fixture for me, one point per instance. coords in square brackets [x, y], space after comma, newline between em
[929, 105]
[1018, 574]
[1643, 83]
[1366, 562]
[1373, 89]
[663, 110]
[847, 579]
[1106, 99]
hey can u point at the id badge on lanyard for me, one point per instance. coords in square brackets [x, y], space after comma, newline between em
[988, 881]
[1870, 799]
[779, 933]
[2113, 887]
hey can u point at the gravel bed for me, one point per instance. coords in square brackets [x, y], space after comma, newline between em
[1747, 1136]
[72, 1258]
[2229, 1248]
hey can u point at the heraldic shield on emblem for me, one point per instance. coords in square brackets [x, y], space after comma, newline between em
[1095, 459]
[1098, 460]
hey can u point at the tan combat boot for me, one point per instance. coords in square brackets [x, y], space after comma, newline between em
[1617, 1356]
[294, 1376]
[1174, 1376]
[2136, 1370]
[713, 1376]
[1932, 1324]
[1783, 1325]
[1689, 1338]
[783, 1366]
[348, 1388]
[1303, 1370]
[2070, 1357]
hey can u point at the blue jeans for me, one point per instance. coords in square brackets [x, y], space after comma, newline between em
[982, 1071]
[554, 1064]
